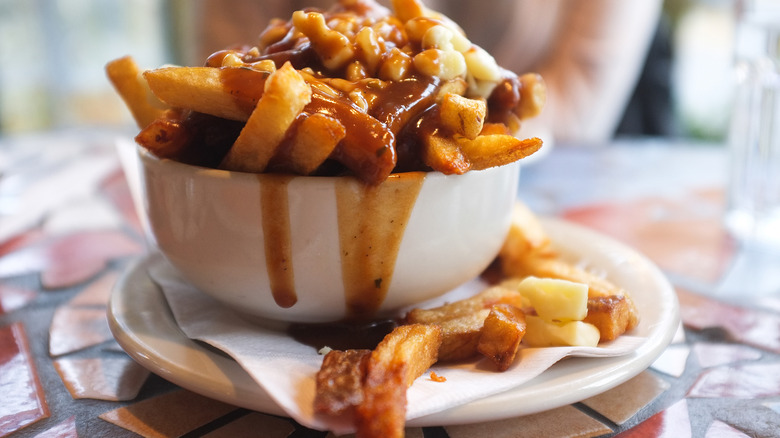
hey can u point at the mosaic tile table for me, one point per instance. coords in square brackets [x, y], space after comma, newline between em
[68, 228]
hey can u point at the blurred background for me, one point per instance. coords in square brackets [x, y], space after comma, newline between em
[52, 54]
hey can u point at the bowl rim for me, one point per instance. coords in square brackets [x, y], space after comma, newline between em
[148, 156]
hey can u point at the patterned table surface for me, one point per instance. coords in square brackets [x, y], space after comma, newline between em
[68, 228]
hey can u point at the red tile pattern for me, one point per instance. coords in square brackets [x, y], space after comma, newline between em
[719, 429]
[12, 298]
[680, 235]
[710, 355]
[76, 328]
[66, 429]
[23, 398]
[169, 415]
[753, 327]
[744, 381]
[109, 378]
[672, 422]
[71, 259]
[114, 188]
[250, 424]
[620, 404]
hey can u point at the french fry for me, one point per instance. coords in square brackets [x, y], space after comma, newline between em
[488, 151]
[230, 93]
[285, 95]
[526, 235]
[533, 95]
[612, 315]
[501, 334]
[460, 336]
[340, 381]
[443, 154]
[467, 306]
[528, 252]
[313, 142]
[165, 138]
[126, 78]
[462, 115]
[401, 357]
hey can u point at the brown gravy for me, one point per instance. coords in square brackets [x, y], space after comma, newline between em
[278, 243]
[372, 220]
[371, 224]
[342, 335]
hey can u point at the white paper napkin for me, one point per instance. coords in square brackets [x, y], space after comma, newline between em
[286, 368]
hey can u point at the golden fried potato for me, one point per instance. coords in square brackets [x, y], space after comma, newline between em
[126, 78]
[488, 151]
[402, 356]
[480, 301]
[313, 142]
[528, 252]
[462, 115]
[340, 381]
[612, 315]
[533, 95]
[230, 93]
[442, 154]
[165, 138]
[285, 95]
[460, 336]
[502, 332]
[526, 235]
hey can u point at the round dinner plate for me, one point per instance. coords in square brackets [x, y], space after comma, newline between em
[143, 325]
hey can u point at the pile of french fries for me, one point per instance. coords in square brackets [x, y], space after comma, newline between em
[543, 300]
[357, 89]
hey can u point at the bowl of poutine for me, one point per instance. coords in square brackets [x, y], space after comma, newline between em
[348, 164]
[313, 249]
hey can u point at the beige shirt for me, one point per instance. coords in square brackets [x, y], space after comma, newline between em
[590, 52]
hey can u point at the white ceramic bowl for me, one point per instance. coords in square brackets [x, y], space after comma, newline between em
[337, 249]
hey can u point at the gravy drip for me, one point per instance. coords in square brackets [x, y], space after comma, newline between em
[371, 224]
[278, 244]
[372, 220]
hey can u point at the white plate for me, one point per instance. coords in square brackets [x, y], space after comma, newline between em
[143, 325]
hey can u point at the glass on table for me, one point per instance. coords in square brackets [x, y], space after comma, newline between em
[753, 213]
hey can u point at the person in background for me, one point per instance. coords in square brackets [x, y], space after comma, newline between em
[590, 52]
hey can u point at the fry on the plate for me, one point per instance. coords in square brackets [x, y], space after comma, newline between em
[460, 336]
[402, 356]
[126, 78]
[488, 151]
[462, 115]
[467, 306]
[285, 95]
[230, 93]
[339, 381]
[529, 252]
[613, 315]
[461, 321]
[502, 332]
[313, 142]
